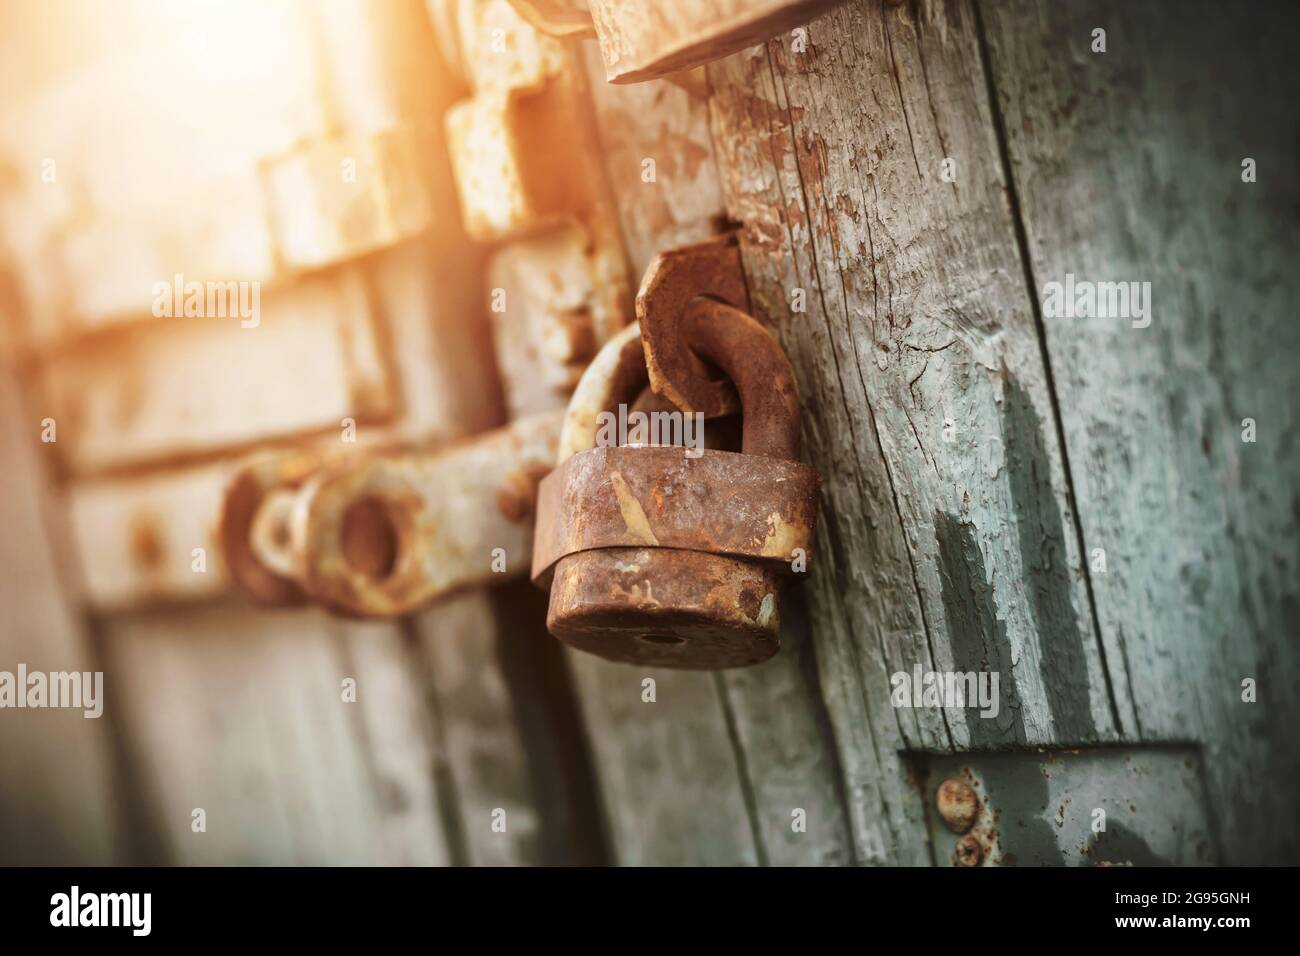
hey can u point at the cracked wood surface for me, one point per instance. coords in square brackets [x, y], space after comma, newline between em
[1127, 166]
[714, 769]
[947, 541]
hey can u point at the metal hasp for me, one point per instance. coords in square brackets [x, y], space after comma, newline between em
[384, 534]
[664, 555]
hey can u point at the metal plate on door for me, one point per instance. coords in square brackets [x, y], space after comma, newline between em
[1100, 807]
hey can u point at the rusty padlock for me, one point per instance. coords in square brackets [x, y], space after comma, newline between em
[661, 557]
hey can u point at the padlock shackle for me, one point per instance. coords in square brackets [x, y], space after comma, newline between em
[669, 559]
[733, 341]
[673, 280]
[758, 367]
[617, 374]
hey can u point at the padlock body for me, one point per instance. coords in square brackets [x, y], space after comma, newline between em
[666, 608]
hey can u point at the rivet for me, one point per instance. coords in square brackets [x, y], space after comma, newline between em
[968, 852]
[958, 804]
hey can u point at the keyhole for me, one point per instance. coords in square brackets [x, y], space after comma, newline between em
[661, 639]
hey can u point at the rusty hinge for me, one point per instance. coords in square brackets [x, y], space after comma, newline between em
[383, 534]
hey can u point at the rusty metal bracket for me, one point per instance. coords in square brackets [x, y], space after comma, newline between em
[984, 813]
[254, 525]
[384, 534]
[525, 153]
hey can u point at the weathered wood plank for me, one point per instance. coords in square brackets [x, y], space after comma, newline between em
[112, 184]
[654, 139]
[1128, 167]
[135, 538]
[782, 733]
[58, 799]
[672, 786]
[510, 734]
[948, 542]
[242, 713]
[308, 356]
[429, 309]
[713, 770]
[399, 741]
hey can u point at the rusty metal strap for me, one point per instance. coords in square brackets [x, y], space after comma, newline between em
[744, 506]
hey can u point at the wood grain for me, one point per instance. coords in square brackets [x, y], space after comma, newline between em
[242, 713]
[947, 541]
[187, 386]
[906, 179]
[1127, 167]
[509, 730]
[58, 803]
[712, 770]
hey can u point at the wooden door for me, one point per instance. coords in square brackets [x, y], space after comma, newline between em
[1092, 502]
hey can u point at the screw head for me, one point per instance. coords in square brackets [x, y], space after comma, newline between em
[958, 804]
[968, 852]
